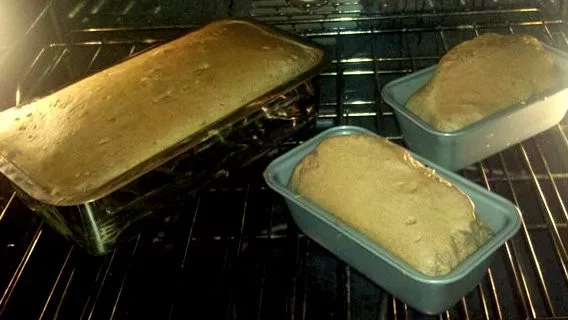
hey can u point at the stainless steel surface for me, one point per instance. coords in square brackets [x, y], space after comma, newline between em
[232, 251]
[307, 3]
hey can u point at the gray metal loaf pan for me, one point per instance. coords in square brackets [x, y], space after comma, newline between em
[459, 149]
[424, 293]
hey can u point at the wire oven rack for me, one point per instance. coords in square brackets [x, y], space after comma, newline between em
[232, 251]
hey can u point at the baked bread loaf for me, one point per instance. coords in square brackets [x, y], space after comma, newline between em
[377, 188]
[67, 147]
[482, 76]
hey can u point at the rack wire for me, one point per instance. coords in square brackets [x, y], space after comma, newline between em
[232, 251]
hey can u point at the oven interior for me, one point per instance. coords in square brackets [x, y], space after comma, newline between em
[232, 251]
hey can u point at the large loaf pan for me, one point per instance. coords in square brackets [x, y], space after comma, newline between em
[477, 141]
[427, 294]
[99, 218]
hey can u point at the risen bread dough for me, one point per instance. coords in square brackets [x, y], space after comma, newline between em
[482, 76]
[376, 187]
[68, 147]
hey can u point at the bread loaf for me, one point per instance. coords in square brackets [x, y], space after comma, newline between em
[65, 148]
[482, 76]
[377, 188]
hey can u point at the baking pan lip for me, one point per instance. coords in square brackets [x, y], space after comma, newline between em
[461, 271]
[487, 121]
[44, 194]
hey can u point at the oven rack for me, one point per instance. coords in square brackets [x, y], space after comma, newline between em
[232, 251]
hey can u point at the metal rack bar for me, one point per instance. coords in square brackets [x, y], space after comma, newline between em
[513, 263]
[379, 16]
[125, 277]
[239, 241]
[559, 247]
[535, 261]
[465, 308]
[460, 27]
[339, 73]
[4, 300]
[183, 261]
[305, 278]
[264, 266]
[7, 205]
[379, 119]
[56, 282]
[64, 294]
[88, 309]
[56, 62]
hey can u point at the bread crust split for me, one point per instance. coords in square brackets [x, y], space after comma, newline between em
[482, 76]
[379, 189]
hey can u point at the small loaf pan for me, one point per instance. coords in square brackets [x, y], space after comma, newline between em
[102, 214]
[477, 141]
[430, 295]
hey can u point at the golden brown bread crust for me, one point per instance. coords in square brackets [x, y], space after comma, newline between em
[377, 188]
[482, 76]
[62, 149]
